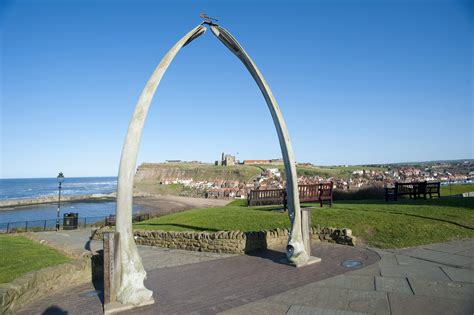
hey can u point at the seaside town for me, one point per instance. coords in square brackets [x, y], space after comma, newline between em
[271, 176]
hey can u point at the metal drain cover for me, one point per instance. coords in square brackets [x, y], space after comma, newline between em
[90, 293]
[352, 264]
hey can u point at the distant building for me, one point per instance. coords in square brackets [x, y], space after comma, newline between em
[247, 162]
[173, 161]
[276, 161]
[271, 161]
[226, 160]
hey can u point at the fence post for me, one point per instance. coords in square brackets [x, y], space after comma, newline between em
[44, 228]
[26, 226]
[112, 269]
[306, 229]
[8, 226]
[85, 224]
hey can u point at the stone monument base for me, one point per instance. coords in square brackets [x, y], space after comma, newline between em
[311, 260]
[116, 307]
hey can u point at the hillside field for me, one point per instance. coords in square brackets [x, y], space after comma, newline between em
[377, 223]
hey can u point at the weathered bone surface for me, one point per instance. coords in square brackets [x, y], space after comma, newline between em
[131, 289]
[296, 252]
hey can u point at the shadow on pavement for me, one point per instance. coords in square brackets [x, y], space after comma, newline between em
[97, 267]
[268, 254]
[54, 310]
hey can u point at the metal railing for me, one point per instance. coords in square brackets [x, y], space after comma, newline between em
[50, 225]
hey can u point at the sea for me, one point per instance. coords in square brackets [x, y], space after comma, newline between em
[30, 188]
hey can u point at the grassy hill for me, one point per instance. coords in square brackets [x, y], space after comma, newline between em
[196, 171]
[325, 171]
[380, 224]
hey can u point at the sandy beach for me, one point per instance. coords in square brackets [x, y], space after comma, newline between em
[164, 204]
[154, 204]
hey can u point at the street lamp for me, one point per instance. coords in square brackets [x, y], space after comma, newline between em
[60, 179]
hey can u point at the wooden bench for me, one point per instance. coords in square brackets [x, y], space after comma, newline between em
[266, 197]
[414, 189]
[321, 193]
[433, 188]
[325, 193]
[110, 220]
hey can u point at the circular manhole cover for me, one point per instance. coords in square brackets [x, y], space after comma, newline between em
[90, 293]
[352, 263]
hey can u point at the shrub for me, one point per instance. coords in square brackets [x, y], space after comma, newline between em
[368, 192]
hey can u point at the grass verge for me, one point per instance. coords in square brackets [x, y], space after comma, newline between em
[456, 189]
[380, 224]
[20, 255]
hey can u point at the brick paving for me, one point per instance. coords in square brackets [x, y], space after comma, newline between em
[213, 286]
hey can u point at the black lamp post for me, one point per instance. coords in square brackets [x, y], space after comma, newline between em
[60, 181]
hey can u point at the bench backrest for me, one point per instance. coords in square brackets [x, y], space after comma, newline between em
[325, 190]
[433, 187]
[308, 192]
[404, 188]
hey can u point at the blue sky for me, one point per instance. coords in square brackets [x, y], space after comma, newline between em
[357, 82]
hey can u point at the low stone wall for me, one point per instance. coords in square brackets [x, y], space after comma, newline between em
[37, 284]
[235, 242]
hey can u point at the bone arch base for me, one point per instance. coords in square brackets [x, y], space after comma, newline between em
[130, 272]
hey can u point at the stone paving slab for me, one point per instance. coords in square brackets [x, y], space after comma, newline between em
[74, 242]
[469, 266]
[468, 253]
[259, 308]
[314, 296]
[372, 270]
[322, 300]
[403, 304]
[157, 257]
[421, 272]
[387, 284]
[440, 257]
[445, 289]
[403, 260]
[306, 310]
[368, 301]
[353, 282]
[459, 274]
[452, 247]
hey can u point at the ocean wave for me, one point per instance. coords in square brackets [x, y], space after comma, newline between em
[109, 183]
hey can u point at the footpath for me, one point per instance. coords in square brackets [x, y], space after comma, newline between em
[431, 279]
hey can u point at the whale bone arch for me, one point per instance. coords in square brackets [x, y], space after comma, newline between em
[130, 271]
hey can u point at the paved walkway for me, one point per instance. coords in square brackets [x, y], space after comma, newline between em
[432, 279]
[212, 285]
[77, 243]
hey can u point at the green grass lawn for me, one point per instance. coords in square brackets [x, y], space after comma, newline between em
[380, 224]
[456, 189]
[20, 255]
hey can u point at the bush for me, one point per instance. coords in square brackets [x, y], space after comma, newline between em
[369, 192]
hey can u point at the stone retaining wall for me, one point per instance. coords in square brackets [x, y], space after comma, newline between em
[235, 242]
[37, 284]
